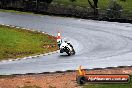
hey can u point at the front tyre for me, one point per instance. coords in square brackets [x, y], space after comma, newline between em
[73, 51]
[61, 50]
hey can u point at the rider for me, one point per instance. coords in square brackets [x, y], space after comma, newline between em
[68, 44]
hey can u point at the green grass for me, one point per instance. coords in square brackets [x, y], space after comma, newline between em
[119, 85]
[14, 11]
[16, 43]
[103, 4]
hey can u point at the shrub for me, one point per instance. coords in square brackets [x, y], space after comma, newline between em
[114, 10]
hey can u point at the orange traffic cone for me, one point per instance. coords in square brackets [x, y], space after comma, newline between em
[81, 71]
[59, 35]
[59, 39]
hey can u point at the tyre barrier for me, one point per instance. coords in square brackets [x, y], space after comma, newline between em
[81, 80]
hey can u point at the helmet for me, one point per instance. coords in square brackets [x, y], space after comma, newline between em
[65, 40]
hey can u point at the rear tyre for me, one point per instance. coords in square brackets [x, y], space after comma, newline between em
[61, 51]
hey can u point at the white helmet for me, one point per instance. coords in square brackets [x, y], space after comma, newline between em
[66, 40]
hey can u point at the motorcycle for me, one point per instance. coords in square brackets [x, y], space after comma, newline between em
[68, 48]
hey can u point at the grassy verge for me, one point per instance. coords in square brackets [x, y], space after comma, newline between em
[22, 12]
[16, 43]
[120, 85]
[15, 11]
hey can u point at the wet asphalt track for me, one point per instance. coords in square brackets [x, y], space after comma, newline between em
[97, 44]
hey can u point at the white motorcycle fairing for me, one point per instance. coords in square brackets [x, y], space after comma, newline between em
[67, 47]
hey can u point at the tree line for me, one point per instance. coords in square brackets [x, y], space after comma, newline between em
[36, 5]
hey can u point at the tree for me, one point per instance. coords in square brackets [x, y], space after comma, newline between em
[94, 5]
